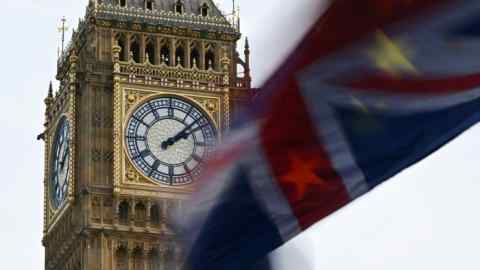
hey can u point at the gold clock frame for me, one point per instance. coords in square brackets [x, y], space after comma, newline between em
[127, 97]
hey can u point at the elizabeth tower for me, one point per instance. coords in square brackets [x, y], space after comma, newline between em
[146, 90]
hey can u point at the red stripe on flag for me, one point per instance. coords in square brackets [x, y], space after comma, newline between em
[299, 162]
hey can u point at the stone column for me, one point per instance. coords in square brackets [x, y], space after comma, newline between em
[173, 60]
[202, 56]
[187, 54]
[131, 203]
[148, 216]
[142, 49]
[158, 46]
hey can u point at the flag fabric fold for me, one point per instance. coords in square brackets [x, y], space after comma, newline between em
[374, 87]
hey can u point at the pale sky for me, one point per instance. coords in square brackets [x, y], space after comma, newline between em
[425, 218]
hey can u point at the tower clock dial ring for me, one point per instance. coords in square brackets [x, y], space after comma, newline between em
[60, 163]
[168, 138]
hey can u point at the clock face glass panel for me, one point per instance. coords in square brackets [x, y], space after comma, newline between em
[60, 165]
[168, 139]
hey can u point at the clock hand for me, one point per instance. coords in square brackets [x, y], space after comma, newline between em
[181, 135]
[64, 159]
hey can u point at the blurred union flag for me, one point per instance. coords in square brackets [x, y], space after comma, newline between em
[375, 86]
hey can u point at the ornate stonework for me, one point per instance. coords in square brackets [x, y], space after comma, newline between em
[114, 216]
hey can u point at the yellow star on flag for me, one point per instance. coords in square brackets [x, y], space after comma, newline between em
[390, 56]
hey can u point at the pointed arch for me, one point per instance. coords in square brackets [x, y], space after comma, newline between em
[151, 52]
[165, 54]
[180, 56]
[179, 7]
[140, 214]
[205, 10]
[149, 5]
[155, 214]
[122, 42]
[121, 259]
[123, 212]
[194, 57]
[210, 59]
[135, 49]
[138, 258]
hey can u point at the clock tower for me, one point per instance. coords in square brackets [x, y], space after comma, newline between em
[146, 90]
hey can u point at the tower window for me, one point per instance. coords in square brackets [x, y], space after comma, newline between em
[123, 3]
[204, 10]
[179, 7]
[140, 215]
[154, 260]
[121, 259]
[135, 51]
[155, 214]
[123, 52]
[150, 52]
[123, 212]
[149, 4]
[210, 59]
[165, 55]
[180, 56]
[138, 263]
[194, 58]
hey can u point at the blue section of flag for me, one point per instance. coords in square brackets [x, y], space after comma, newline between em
[384, 144]
[237, 228]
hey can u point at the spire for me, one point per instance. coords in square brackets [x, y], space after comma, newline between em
[248, 78]
[49, 98]
[50, 90]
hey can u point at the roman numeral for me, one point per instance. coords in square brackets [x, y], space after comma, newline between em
[137, 138]
[188, 113]
[152, 109]
[145, 153]
[140, 121]
[170, 112]
[155, 166]
[197, 129]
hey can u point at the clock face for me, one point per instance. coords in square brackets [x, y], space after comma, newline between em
[168, 139]
[60, 162]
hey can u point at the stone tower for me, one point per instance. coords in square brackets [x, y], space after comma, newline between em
[147, 88]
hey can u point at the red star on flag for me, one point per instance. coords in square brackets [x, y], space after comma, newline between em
[302, 175]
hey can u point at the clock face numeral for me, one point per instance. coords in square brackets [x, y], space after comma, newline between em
[168, 139]
[60, 163]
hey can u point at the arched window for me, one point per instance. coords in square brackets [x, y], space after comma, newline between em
[140, 214]
[204, 10]
[135, 50]
[121, 261]
[194, 58]
[123, 3]
[179, 7]
[123, 212]
[155, 215]
[154, 260]
[122, 43]
[210, 59]
[150, 52]
[180, 56]
[170, 257]
[149, 4]
[165, 55]
[138, 259]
